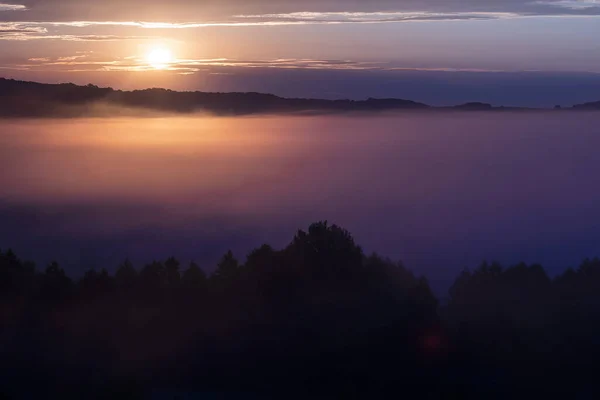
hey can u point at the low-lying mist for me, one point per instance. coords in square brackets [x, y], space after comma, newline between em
[441, 191]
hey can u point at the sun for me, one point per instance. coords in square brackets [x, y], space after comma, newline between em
[159, 58]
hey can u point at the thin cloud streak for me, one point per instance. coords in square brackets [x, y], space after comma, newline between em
[224, 11]
[188, 66]
[571, 4]
[12, 7]
[17, 27]
[298, 18]
[376, 17]
[20, 36]
[87, 63]
[20, 31]
[35, 30]
[282, 19]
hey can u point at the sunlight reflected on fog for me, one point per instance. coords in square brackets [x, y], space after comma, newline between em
[439, 191]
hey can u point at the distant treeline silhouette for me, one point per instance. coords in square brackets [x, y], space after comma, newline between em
[318, 318]
[23, 99]
[30, 99]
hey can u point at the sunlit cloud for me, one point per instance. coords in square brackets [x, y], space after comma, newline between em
[12, 7]
[281, 63]
[28, 29]
[70, 58]
[447, 69]
[157, 25]
[572, 4]
[19, 31]
[215, 66]
[299, 18]
[17, 27]
[70, 38]
[193, 65]
[374, 17]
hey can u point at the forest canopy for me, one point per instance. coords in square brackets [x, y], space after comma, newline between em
[318, 315]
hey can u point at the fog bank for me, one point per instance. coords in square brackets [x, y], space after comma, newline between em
[439, 191]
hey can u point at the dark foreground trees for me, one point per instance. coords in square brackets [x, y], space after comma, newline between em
[318, 318]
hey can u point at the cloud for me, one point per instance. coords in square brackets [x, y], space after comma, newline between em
[16, 27]
[70, 58]
[189, 66]
[281, 63]
[20, 36]
[12, 7]
[17, 31]
[572, 4]
[159, 25]
[24, 31]
[219, 66]
[223, 12]
[60, 15]
[371, 17]
[300, 18]
[232, 13]
[296, 18]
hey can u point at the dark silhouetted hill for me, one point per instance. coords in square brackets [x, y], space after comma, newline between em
[474, 106]
[30, 99]
[588, 106]
[23, 99]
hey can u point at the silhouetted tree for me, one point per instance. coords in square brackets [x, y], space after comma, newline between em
[318, 316]
[193, 277]
[173, 276]
[327, 254]
[56, 286]
[126, 275]
[227, 268]
[16, 276]
[153, 277]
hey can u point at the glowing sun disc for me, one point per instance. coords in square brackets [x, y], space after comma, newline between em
[159, 58]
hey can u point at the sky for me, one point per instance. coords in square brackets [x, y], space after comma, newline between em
[513, 52]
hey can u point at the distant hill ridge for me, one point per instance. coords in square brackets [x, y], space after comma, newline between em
[31, 99]
[588, 106]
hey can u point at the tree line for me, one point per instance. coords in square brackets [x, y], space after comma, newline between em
[319, 318]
